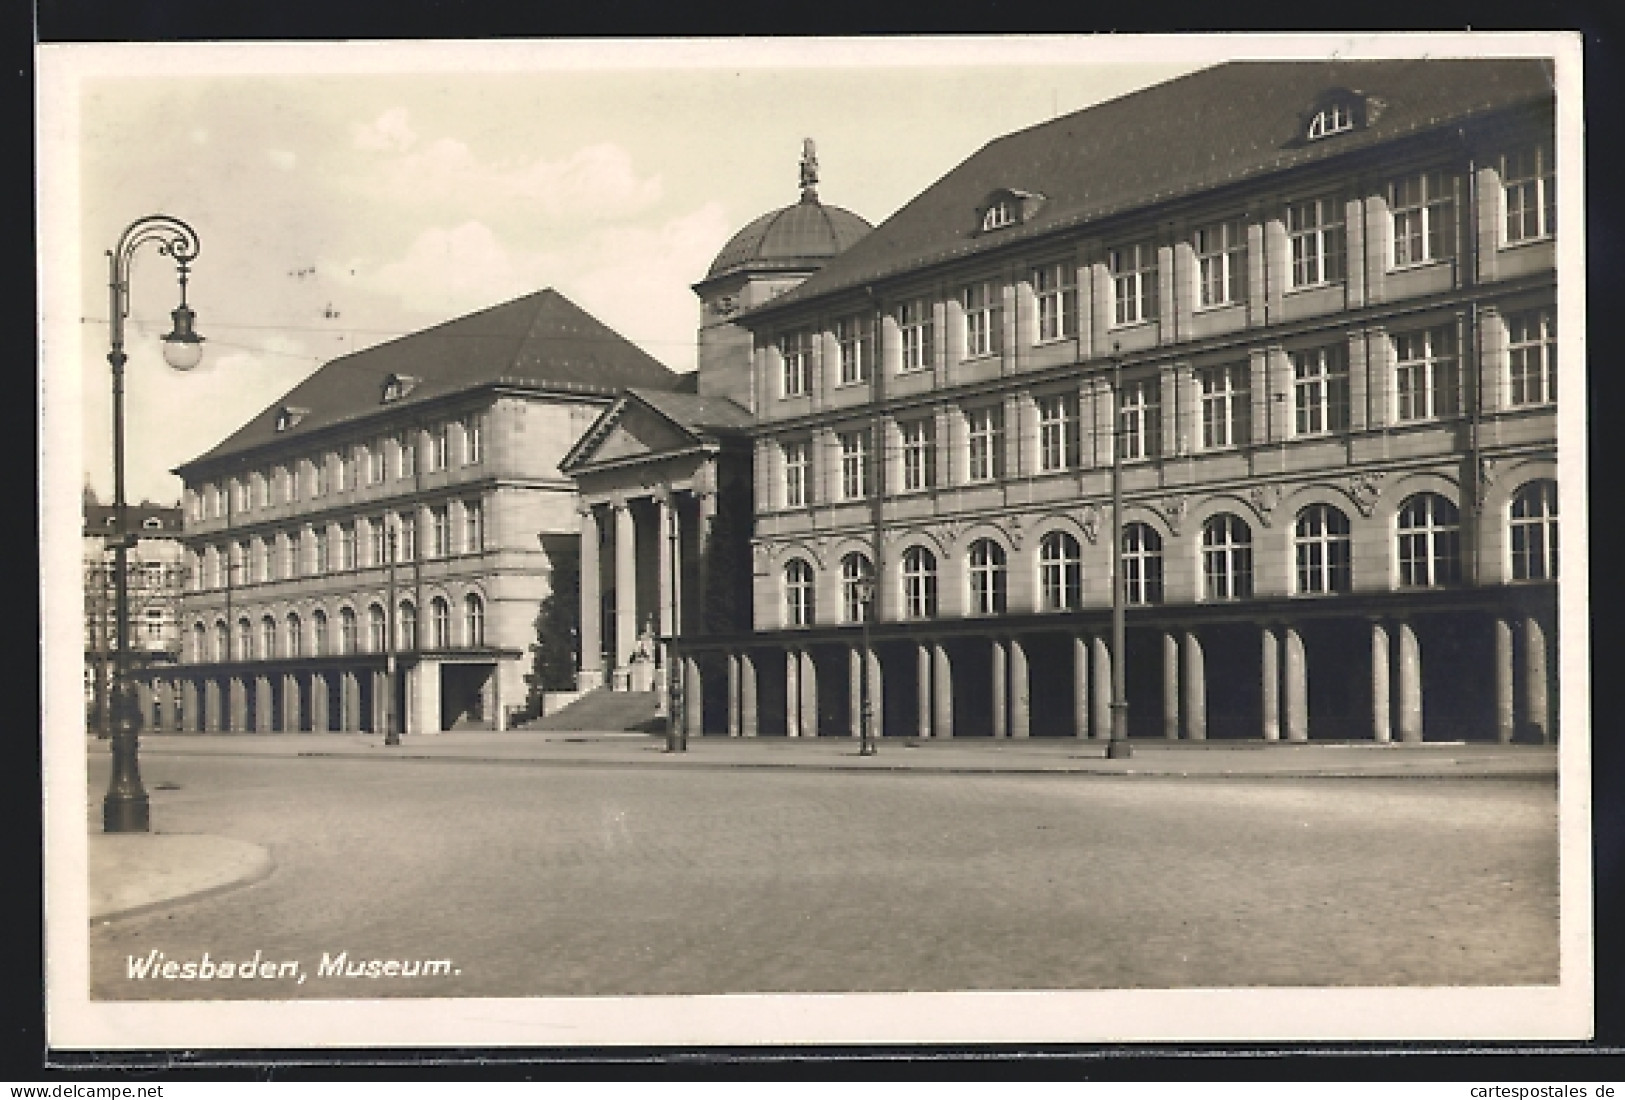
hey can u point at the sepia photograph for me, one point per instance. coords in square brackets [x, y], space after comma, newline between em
[682, 542]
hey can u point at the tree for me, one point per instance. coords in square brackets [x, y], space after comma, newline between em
[558, 631]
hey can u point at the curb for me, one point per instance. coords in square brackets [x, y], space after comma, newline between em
[261, 870]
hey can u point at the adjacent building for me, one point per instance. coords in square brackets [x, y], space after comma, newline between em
[1310, 310]
[395, 519]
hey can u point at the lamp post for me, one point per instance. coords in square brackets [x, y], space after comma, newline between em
[392, 733]
[1118, 747]
[864, 588]
[124, 810]
[676, 720]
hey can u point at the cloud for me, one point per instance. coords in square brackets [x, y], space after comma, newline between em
[284, 159]
[390, 131]
[448, 271]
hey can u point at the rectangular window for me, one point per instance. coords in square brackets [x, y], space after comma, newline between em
[1425, 376]
[408, 536]
[1532, 356]
[351, 470]
[262, 490]
[439, 532]
[1134, 284]
[795, 474]
[918, 334]
[1224, 397]
[378, 539]
[474, 440]
[1319, 241]
[1058, 431]
[324, 473]
[1221, 263]
[1320, 390]
[854, 464]
[985, 432]
[1529, 190]
[322, 564]
[296, 546]
[1140, 423]
[1056, 288]
[267, 558]
[347, 546]
[919, 453]
[855, 336]
[375, 463]
[439, 448]
[409, 454]
[1424, 213]
[796, 351]
[984, 319]
[286, 483]
[473, 527]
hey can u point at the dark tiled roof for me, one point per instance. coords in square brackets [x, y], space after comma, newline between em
[802, 235]
[542, 340]
[700, 414]
[1200, 131]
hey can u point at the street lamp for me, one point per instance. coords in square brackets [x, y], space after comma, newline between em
[1118, 747]
[124, 810]
[864, 589]
[392, 733]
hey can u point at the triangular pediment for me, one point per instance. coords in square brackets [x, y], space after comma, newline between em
[636, 431]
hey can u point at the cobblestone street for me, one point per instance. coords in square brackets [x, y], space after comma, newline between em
[541, 880]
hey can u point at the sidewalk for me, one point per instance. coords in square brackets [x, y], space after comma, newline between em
[134, 873]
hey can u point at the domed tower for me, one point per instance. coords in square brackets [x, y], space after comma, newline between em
[763, 260]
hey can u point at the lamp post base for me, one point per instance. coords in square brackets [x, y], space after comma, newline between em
[1118, 750]
[124, 813]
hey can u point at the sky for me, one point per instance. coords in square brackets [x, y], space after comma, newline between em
[347, 194]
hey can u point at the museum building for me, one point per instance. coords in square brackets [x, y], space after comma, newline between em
[1308, 308]
[401, 510]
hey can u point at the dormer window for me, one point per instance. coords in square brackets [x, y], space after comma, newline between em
[1337, 111]
[288, 416]
[152, 523]
[1006, 207]
[1331, 119]
[397, 386]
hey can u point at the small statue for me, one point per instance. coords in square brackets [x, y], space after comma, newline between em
[809, 171]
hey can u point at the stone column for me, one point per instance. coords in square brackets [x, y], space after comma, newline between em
[792, 693]
[1296, 688]
[1504, 715]
[877, 692]
[942, 691]
[214, 706]
[350, 701]
[1536, 712]
[592, 604]
[1000, 729]
[734, 717]
[626, 585]
[854, 690]
[380, 701]
[191, 714]
[1195, 678]
[264, 705]
[1270, 681]
[1100, 700]
[144, 698]
[290, 703]
[319, 699]
[1170, 686]
[747, 695]
[1080, 686]
[693, 698]
[1020, 691]
[1410, 684]
[809, 694]
[1381, 699]
[922, 693]
[239, 704]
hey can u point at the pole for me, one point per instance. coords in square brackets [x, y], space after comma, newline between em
[1118, 747]
[866, 706]
[676, 727]
[392, 733]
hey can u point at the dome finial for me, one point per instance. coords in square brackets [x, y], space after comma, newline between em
[809, 171]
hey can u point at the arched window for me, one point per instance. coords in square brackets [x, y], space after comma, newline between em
[1534, 532]
[347, 630]
[318, 624]
[222, 641]
[857, 587]
[1324, 552]
[987, 578]
[919, 583]
[267, 637]
[440, 624]
[200, 643]
[798, 593]
[245, 639]
[408, 624]
[1142, 564]
[1429, 541]
[1060, 572]
[377, 629]
[473, 620]
[296, 638]
[1227, 557]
